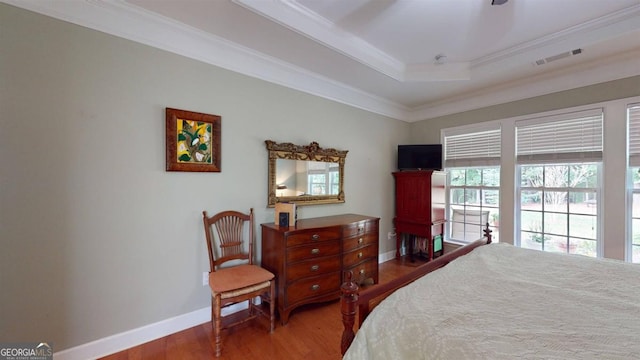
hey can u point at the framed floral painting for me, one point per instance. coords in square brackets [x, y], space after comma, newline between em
[193, 141]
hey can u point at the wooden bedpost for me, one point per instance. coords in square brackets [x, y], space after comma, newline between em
[487, 233]
[348, 303]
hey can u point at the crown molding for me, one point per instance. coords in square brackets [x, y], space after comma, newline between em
[608, 69]
[119, 18]
[298, 18]
[291, 14]
[295, 17]
[621, 16]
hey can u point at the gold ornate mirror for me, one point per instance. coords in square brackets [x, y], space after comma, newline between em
[305, 175]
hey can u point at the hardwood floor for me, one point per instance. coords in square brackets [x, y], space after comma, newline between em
[313, 332]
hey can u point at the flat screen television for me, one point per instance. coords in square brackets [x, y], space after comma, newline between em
[420, 157]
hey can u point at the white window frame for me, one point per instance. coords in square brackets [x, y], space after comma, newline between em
[614, 225]
[483, 155]
[570, 137]
[597, 189]
[477, 221]
[633, 153]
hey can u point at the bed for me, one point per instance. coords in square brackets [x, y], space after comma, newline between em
[498, 301]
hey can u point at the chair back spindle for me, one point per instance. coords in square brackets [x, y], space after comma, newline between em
[229, 228]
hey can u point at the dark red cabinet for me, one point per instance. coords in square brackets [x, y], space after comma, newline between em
[420, 208]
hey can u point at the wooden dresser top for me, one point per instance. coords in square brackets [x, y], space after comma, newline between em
[334, 220]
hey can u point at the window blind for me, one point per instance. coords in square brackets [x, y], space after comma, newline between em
[480, 148]
[572, 137]
[633, 118]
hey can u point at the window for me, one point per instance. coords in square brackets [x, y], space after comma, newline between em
[473, 202]
[472, 161]
[559, 161]
[560, 189]
[322, 176]
[633, 125]
[558, 208]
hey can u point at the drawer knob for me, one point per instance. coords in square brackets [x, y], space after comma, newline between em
[359, 254]
[315, 287]
[360, 229]
[360, 240]
[361, 271]
[315, 268]
[315, 237]
[315, 251]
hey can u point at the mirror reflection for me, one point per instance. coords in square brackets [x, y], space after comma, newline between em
[302, 178]
[305, 174]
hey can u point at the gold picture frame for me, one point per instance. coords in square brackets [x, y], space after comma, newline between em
[193, 141]
[312, 153]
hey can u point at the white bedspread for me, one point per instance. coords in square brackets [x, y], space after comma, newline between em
[503, 302]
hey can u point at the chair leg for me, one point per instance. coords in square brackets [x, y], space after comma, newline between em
[213, 314]
[272, 305]
[217, 322]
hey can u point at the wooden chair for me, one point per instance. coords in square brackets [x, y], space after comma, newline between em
[236, 283]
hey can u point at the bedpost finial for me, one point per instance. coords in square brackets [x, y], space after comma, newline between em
[348, 286]
[487, 233]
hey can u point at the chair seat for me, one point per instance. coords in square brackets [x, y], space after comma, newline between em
[239, 279]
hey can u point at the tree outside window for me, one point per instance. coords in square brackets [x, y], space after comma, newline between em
[559, 208]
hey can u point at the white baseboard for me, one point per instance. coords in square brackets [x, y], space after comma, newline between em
[134, 337]
[389, 255]
[128, 339]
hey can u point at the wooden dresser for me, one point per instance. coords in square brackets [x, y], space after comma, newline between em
[310, 258]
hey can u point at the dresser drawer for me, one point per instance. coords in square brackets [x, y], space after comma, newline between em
[313, 267]
[359, 241]
[359, 255]
[310, 287]
[312, 236]
[364, 271]
[358, 228]
[313, 251]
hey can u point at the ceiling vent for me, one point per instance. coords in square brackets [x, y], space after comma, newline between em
[558, 57]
